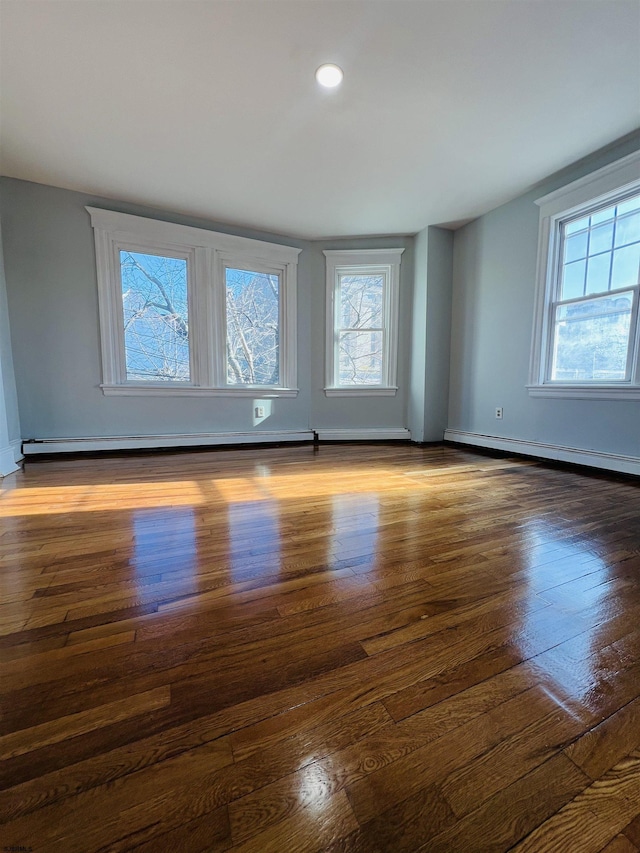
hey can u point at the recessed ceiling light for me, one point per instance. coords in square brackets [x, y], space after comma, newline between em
[329, 75]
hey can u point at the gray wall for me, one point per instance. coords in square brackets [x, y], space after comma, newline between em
[438, 340]
[493, 299]
[9, 418]
[53, 307]
[430, 334]
[418, 358]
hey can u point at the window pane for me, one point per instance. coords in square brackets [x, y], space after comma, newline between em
[601, 238]
[253, 328]
[603, 215]
[573, 280]
[360, 358]
[576, 225]
[628, 229]
[591, 339]
[625, 266]
[575, 247]
[629, 205]
[361, 300]
[598, 273]
[156, 322]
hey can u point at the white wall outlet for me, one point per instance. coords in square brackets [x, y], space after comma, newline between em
[259, 411]
[499, 412]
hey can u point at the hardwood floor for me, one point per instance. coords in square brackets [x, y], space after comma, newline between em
[354, 648]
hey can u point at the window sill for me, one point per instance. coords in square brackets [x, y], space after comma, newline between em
[586, 392]
[362, 391]
[256, 392]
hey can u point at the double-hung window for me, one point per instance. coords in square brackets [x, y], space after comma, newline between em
[586, 339]
[362, 321]
[189, 311]
[154, 288]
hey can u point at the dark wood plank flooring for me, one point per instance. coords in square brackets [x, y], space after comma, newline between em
[350, 648]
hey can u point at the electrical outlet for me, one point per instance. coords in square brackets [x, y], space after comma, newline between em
[259, 411]
[499, 412]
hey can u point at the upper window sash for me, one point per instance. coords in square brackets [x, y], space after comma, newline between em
[376, 262]
[609, 185]
[206, 253]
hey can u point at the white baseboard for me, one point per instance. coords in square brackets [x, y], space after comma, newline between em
[38, 446]
[381, 434]
[16, 446]
[592, 458]
[7, 461]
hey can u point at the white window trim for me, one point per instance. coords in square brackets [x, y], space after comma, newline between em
[356, 261]
[619, 178]
[207, 253]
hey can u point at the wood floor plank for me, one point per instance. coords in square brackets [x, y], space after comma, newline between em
[132, 809]
[594, 817]
[632, 831]
[308, 831]
[25, 672]
[598, 750]
[505, 763]
[347, 648]
[104, 768]
[620, 844]
[331, 712]
[411, 822]
[35, 737]
[314, 782]
[433, 763]
[506, 817]
[207, 834]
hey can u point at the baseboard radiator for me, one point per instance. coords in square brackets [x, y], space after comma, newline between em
[591, 458]
[40, 446]
[92, 444]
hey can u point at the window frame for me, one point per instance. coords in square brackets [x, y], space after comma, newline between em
[208, 254]
[602, 188]
[363, 262]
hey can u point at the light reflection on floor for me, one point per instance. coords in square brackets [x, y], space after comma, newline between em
[555, 571]
[173, 532]
[315, 787]
[355, 523]
[254, 530]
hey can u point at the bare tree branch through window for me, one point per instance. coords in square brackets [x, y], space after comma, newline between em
[253, 327]
[156, 317]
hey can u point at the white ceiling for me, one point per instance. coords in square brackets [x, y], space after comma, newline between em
[448, 107]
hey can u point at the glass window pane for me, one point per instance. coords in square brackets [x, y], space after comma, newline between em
[629, 205]
[361, 300]
[360, 358]
[628, 229]
[575, 247]
[156, 317]
[591, 339]
[601, 238]
[625, 266]
[253, 327]
[598, 273]
[573, 280]
[576, 225]
[603, 215]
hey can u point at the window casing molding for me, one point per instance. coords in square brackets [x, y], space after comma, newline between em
[207, 254]
[363, 262]
[604, 187]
